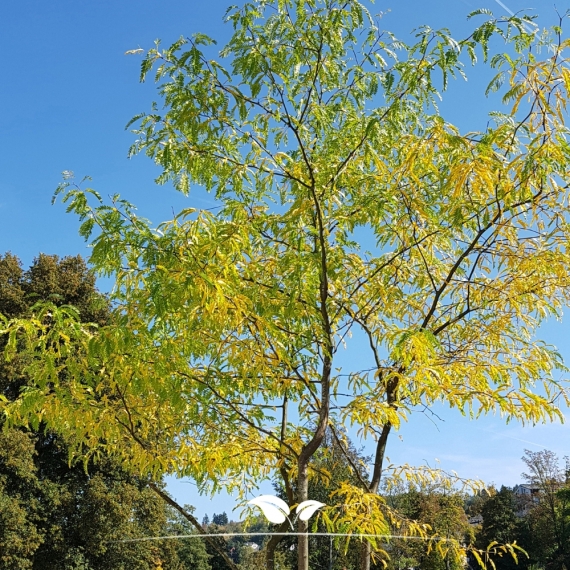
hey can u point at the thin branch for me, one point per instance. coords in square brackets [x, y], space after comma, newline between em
[190, 518]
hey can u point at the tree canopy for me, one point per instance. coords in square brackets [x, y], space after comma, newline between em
[347, 204]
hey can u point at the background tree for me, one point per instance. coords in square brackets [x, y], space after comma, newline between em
[563, 554]
[253, 560]
[221, 519]
[19, 535]
[192, 552]
[545, 527]
[315, 134]
[239, 549]
[500, 523]
[440, 507]
[475, 502]
[53, 515]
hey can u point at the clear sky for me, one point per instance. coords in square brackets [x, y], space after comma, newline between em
[67, 92]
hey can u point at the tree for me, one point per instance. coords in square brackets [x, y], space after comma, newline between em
[500, 523]
[563, 554]
[237, 546]
[547, 522]
[253, 560]
[221, 519]
[19, 536]
[51, 514]
[191, 552]
[315, 134]
[442, 508]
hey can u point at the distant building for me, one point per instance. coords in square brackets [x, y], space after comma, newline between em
[476, 520]
[527, 490]
[527, 496]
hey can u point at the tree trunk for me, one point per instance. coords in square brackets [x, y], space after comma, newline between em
[365, 555]
[303, 526]
[284, 526]
[327, 347]
[303, 463]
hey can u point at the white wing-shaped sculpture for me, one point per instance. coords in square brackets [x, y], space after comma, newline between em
[274, 508]
[307, 509]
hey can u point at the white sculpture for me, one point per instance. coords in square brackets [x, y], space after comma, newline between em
[277, 511]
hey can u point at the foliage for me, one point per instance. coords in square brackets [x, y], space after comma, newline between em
[239, 548]
[53, 515]
[545, 530]
[475, 502]
[251, 559]
[61, 282]
[19, 535]
[539, 523]
[254, 560]
[500, 523]
[192, 552]
[320, 129]
[442, 510]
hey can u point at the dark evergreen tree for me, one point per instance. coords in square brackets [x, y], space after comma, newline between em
[499, 518]
[221, 519]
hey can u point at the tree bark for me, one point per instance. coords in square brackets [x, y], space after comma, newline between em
[303, 526]
[190, 518]
[365, 556]
[284, 526]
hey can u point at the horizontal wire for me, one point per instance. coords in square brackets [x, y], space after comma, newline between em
[229, 534]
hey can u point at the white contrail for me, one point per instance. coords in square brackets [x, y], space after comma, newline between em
[525, 24]
[511, 437]
[507, 9]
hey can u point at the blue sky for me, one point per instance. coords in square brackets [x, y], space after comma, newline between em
[68, 90]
